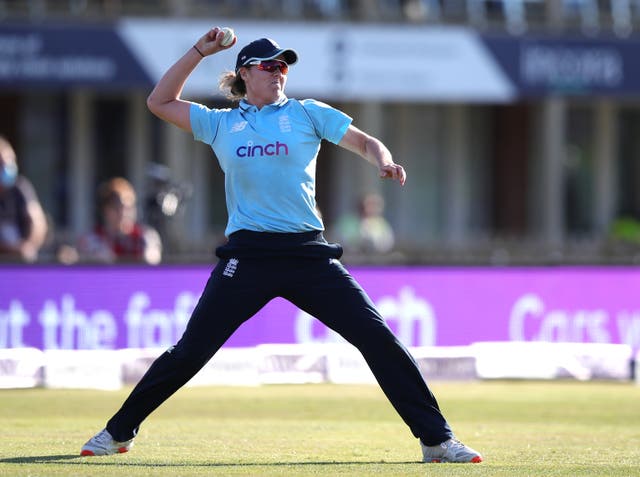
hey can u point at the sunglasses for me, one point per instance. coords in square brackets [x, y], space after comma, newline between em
[271, 65]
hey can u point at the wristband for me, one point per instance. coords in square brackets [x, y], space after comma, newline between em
[199, 52]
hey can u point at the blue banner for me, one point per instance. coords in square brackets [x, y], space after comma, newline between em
[59, 56]
[554, 65]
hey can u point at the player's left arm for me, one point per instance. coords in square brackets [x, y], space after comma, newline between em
[375, 152]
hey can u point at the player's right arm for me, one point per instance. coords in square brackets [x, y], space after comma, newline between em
[374, 151]
[165, 100]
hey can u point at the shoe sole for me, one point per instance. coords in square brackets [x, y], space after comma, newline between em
[86, 452]
[476, 460]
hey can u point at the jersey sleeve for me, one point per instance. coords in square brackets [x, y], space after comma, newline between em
[204, 122]
[330, 123]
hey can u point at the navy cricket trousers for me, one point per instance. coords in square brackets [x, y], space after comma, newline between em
[322, 287]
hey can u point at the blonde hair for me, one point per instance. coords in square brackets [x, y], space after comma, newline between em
[232, 85]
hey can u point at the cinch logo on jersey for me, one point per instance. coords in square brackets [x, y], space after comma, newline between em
[259, 150]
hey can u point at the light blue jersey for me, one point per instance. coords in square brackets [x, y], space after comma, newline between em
[268, 157]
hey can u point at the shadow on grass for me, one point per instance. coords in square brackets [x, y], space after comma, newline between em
[75, 459]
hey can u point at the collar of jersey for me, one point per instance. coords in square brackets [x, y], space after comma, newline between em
[244, 106]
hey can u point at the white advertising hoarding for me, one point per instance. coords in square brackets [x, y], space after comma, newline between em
[340, 61]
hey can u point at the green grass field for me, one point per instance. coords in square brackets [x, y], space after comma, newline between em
[522, 429]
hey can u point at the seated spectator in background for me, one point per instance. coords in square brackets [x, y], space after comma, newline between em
[119, 236]
[369, 231]
[23, 224]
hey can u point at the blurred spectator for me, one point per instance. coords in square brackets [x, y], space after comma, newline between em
[166, 198]
[23, 225]
[119, 236]
[369, 231]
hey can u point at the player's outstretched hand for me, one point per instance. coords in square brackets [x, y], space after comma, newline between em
[394, 172]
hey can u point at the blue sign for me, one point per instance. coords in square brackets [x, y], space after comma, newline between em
[60, 56]
[552, 65]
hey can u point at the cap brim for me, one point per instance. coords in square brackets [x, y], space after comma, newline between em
[290, 56]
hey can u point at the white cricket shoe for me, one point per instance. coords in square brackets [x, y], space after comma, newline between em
[451, 450]
[103, 444]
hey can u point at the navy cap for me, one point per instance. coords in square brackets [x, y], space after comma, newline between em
[264, 49]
